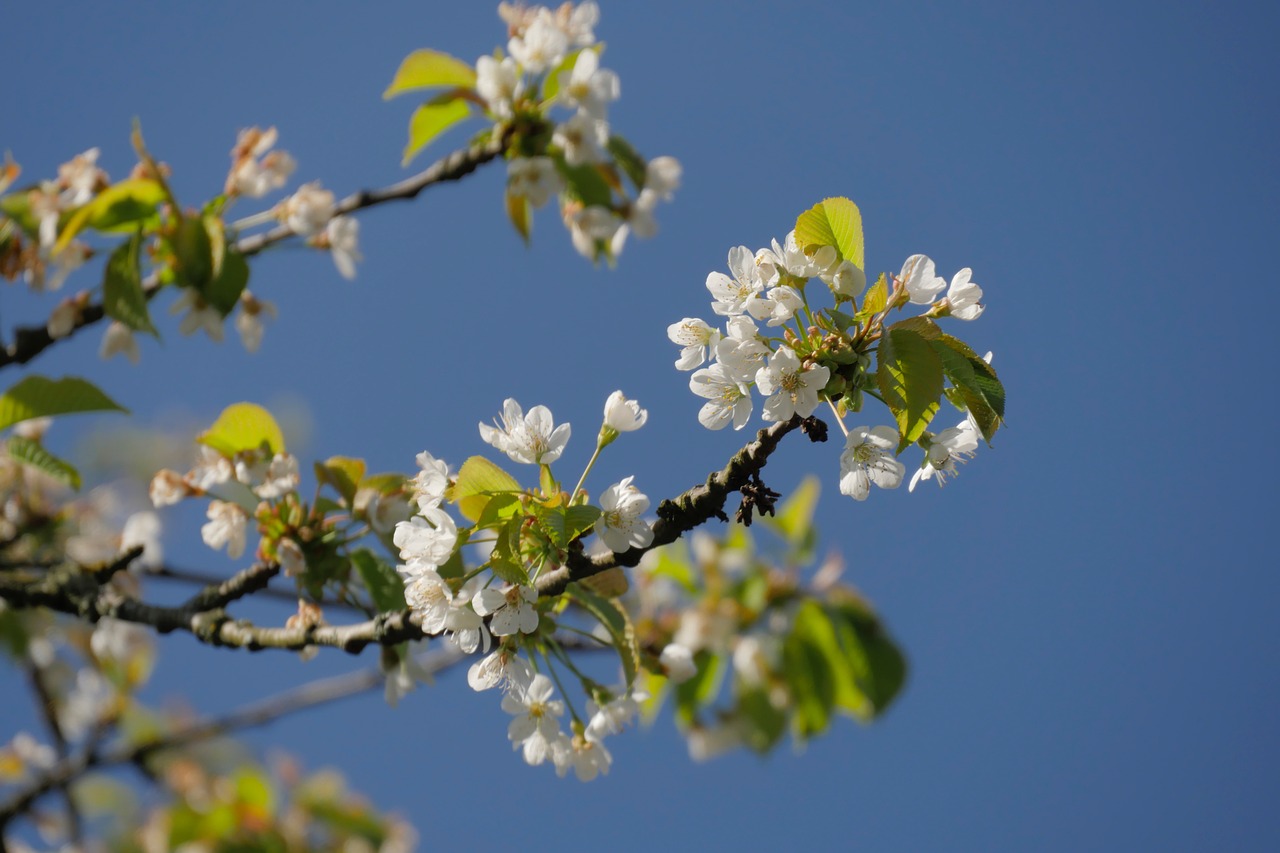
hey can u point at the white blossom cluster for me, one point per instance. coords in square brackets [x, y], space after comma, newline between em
[268, 477]
[768, 286]
[541, 46]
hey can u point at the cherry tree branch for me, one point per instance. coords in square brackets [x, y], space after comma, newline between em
[310, 695]
[30, 341]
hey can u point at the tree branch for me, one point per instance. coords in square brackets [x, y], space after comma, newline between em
[681, 514]
[30, 341]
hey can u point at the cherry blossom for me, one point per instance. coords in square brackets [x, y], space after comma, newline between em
[533, 439]
[512, 609]
[794, 389]
[868, 459]
[620, 526]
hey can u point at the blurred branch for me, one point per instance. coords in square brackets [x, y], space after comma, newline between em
[310, 695]
[30, 341]
[49, 711]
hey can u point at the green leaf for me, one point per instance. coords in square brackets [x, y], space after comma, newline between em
[630, 161]
[386, 589]
[243, 426]
[551, 85]
[123, 205]
[478, 480]
[385, 483]
[794, 519]
[611, 615]
[832, 222]
[703, 688]
[505, 560]
[224, 289]
[673, 562]
[38, 397]
[874, 662]
[585, 183]
[807, 656]
[564, 524]
[30, 452]
[910, 380]
[498, 511]
[875, 300]
[122, 295]
[343, 473]
[766, 723]
[970, 385]
[192, 252]
[520, 212]
[432, 119]
[425, 68]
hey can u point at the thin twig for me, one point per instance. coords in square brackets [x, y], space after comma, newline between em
[49, 711]
[30, 341]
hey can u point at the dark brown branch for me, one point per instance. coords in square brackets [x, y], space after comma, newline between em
[30, 341]
[678, 516]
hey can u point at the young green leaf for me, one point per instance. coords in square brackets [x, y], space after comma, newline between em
[121, 206]
[478, 480]
[31, 453]
[122, 295]
[875, 663]
[243, 426]
[832, 222]
[909, 375]
[564, 524]
[385, 586]
[794, 518]
[224, 289]
[342, 473]
[616, 622]
[432, 119]
[38, 397]
[426, 68]
[630, 161]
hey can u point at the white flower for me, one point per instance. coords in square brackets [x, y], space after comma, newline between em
[920, 279]
[292, 561]
[662, 177]
[677, 660]
[226, 526]
[249, 321]
[732, 295]
[200, 315]
[167, 488]
[588, 758]
[211, 469]
[466, 629]
[790, 259]
[535, 178]
[536, 722]
[85, 704]
[868, 458]
[778, 307]
[119, 339]
[383, 511]
[64, 317]
[143, 528]
[308, 210]
[498, 83]
[119, 641]
[499, 668]
[610, 718]
[582, 139]
[588, 87]
[402, 672]
[33, 428]
[342, 235]
[269, 480]
[80, 178]
[512, 609]
[695, 336]
[591, 225]
[252, 177]
[795, 390]
[727, 396]
[428, 539]
[542, 45]
[845, 279]
[532, 439]
[431, 481]
[741, 351]
[946, 448]
[579, 24]
[623, 415]
[963, 296]
[620, 526]
[428, 596]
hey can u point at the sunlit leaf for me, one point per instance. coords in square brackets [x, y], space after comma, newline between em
[910, 380]
[432, 119]
[31, 453]
[832, 222]
[343, 473]
[38, 396]
[123, 205]
[243, 426]
[478, 480]
[426, 68]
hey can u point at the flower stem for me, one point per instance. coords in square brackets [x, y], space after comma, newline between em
[594, 456]
[839, 420]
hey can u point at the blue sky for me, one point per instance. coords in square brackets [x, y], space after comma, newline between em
[1088, 608]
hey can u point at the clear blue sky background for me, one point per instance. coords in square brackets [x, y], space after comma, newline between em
[1089, 608]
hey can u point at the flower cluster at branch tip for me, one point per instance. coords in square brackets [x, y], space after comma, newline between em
[805, 355]
[553, 60]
